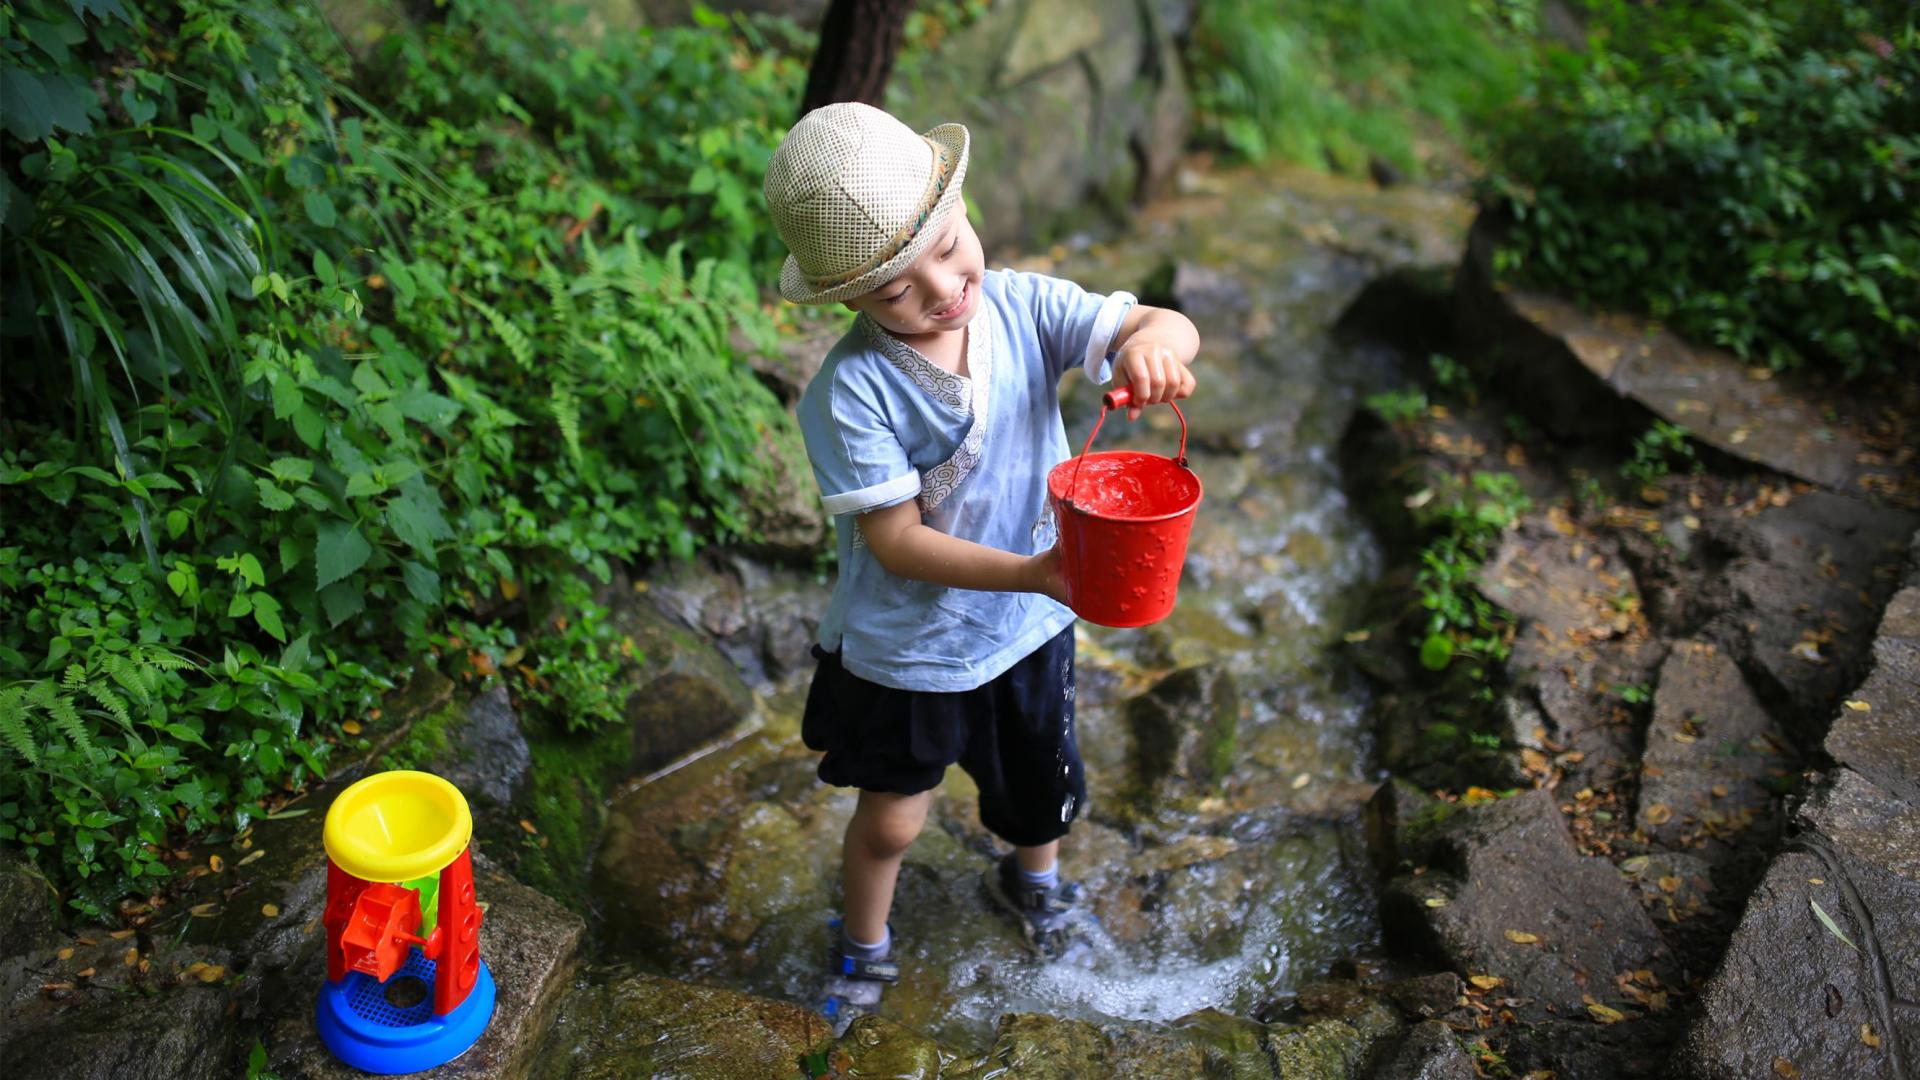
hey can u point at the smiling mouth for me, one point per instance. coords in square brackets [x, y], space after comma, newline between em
[953, 309]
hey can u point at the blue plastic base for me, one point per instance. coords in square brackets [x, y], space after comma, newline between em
[367, 1032]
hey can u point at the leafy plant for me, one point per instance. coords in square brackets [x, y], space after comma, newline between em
[1403, 406]
[1656, 451]
[1742, 171]
[1467, 517]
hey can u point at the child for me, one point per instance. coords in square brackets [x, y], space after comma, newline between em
[931, 427]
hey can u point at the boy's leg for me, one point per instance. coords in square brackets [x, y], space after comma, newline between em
[883, 827]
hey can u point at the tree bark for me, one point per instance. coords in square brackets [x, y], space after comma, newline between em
[858, 42]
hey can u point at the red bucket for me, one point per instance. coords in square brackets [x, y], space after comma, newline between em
[1124, 517]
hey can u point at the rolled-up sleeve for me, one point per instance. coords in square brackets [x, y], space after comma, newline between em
[1076, 327]
[857, 458]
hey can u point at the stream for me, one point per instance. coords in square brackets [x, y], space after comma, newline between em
[1221, 892]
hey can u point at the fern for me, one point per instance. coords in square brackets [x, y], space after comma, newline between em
[13, 724]
[519, 346]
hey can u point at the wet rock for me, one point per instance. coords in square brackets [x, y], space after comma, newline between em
[1183, 733]
[173, 1031]
[1331, 1049]
[786, 521]
[651, 1026]
[1507, 894]
[1203, 292]
[1400, 820]
[484, 753]
[1790, 991]
[1584, 1050]
[761, 618]
[1868, 822]
[1424, 997]
[1877, 731]
[1235, 1040]
[1711, 752]
[1430, 1051]
[685, 694]
[1802, 598]
[1041, 1047]
[27, 903]
[1671, 884]
[529, 942]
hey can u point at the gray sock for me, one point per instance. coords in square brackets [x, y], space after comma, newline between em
[861, 951]
[1045, 879]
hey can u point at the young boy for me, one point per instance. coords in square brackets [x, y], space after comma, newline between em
[931, 427]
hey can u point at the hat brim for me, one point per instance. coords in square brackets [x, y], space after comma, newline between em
[793, 283]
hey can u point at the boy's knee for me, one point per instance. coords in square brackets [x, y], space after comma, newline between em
[889, 833]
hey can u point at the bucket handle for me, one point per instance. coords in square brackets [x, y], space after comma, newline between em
[1119, 398]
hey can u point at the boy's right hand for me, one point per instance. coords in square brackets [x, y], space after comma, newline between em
[1046, 574]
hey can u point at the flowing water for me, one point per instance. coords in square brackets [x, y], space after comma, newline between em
[1222, 896]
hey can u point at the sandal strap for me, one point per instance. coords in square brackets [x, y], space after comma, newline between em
[872, 970]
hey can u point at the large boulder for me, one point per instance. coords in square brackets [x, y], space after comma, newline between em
[1431, 1051]
[1587, 374]
[27, 903]
[1792, 998]
[1505, 893]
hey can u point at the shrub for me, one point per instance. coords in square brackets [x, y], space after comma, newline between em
[300, 393]
[1741, 171]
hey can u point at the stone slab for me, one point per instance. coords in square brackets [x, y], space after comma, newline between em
[1871, 824]
[1710, 750]
[1877, 729]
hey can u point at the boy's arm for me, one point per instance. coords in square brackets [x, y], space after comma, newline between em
[905, 547]
[1152, 350]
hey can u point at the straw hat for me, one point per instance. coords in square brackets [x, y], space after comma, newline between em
[857, 196]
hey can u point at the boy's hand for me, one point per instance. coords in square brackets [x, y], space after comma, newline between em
[1046, 574]
[1154, 372]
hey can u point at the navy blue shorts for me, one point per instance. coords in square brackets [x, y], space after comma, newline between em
[1014, 736]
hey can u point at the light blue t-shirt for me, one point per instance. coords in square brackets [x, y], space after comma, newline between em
[883, 424]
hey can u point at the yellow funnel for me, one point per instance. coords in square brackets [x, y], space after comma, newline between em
[397, 826]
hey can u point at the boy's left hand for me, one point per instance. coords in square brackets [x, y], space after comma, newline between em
[1154, 372]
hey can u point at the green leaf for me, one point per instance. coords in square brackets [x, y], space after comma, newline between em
[178, 522]
[272, 497]
[1833, 928]
[342, 601]
[319, 209]
[241, 604]
[295, 656]
[417, 523]
[323, 268]
[338, 550]
[1436, 652]
[251, 571]
[422, 582]
[266, 612]
[291, 469]
[309, 426]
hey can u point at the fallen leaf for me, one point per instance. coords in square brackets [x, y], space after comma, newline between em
[210, 973]
[1605, 1015]
[1669, 884]
[251, 856]
[1785, 1068]
[1302, 781]
[84, 973]
[1833, 928]
[216, 864]
[1436, 901]
[527, 827]
[1859, 706]
[131, 958]
[1658, 814]
[509, 588]
[1355, 637]
[204, 911]
[1690, 521]
[49, 988]
[121, 935]
[1867, 1036]
[1485, 982]
[1521, 937]
[1635, 865]
[66, 953]
[1719, 791]
[351, 727]
[270, 910]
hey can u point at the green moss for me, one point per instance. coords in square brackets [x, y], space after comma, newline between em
[572, 776]
[426, 740]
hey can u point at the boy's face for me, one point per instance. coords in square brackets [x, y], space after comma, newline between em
[939, 292]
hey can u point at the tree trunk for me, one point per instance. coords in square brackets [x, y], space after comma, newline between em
[858, 41]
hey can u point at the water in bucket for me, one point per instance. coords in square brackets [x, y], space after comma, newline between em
[1124, 518]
